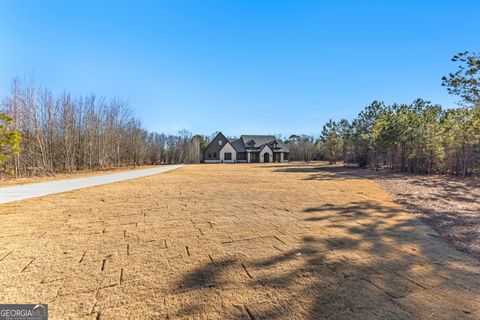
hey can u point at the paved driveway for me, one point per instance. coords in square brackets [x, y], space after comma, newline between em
[33, 190]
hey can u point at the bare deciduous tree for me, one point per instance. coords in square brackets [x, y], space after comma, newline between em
[66, 134]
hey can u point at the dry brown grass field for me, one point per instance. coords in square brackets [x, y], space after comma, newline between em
[232, 242]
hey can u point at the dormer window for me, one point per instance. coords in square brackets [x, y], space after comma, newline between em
[275, 144]
[220, 142]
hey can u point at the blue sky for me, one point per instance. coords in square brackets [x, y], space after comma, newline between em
[238, 66]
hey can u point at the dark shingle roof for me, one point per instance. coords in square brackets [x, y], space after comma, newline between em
[260, 140]
[238, 145]
[241, 144]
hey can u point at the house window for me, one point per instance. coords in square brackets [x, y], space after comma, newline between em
[209, 156]
[228, 156]
[214, 154]
[220, 142]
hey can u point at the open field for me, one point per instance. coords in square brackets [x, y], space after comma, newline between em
[451, 206]
[232, 242]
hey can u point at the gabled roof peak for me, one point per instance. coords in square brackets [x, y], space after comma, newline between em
[253, 142]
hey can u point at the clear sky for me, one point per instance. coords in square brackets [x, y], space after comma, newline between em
[238, 66]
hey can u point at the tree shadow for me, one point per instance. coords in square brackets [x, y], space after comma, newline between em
[305, 167]
[208, 276]
[450, 205]
[458, 228]
[361, 260]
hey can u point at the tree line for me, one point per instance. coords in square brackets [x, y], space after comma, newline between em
[419, 137]
[416, 138]
[43, 134]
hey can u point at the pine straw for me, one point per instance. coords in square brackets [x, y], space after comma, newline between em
[451, 206]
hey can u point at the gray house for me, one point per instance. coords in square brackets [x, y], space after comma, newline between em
[248, 148]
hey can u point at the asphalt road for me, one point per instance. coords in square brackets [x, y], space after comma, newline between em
[27, 191]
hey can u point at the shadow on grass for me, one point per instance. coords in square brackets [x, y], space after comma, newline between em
[306, 167]
[367, 261]
[450, 205]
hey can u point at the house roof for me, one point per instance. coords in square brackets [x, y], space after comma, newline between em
[217, 147]
[238, 145]
[266, 145]
[259, 141]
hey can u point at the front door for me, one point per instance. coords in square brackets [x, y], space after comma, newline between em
[266, 157]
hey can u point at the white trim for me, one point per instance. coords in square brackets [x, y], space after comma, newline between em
[262, 152]
[228, 148]
[266, 145]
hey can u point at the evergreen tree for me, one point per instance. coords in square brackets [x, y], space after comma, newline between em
[331, 142]
[9, 139]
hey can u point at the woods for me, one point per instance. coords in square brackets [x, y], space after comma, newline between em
[302, 148]
[66, 134]
[419, 137]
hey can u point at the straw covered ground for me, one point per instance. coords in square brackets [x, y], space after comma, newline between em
[245, 241]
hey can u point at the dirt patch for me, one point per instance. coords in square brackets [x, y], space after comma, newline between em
[451, 206]
[232, 242]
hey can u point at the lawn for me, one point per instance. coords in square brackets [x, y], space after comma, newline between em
[246, 241]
